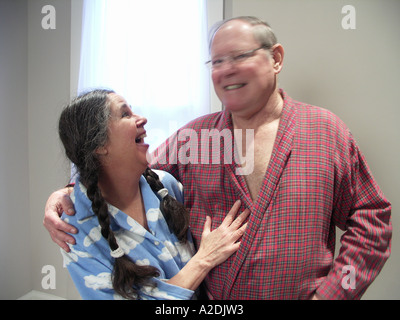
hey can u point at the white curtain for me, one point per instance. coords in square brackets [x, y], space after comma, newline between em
[152, 52]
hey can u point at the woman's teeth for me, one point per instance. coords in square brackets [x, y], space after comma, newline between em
[140, 138]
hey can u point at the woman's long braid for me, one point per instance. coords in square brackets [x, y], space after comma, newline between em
[127, 276]
[100, 207]
[175, 214]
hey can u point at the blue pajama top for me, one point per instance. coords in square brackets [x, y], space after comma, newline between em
[90, 263]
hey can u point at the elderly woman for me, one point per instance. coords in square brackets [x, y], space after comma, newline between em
[133, 238]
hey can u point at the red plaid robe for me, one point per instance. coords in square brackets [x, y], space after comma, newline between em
[317, 179]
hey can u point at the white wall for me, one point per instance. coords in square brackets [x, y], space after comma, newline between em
[354, 73]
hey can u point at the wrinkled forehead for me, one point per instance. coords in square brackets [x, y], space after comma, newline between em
[116, 98]
[116, 101]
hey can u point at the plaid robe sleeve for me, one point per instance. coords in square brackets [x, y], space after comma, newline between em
[362, 211]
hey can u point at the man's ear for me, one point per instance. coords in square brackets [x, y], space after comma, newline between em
[277, 55]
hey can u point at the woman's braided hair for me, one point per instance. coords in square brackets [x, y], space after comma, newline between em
[83, 128]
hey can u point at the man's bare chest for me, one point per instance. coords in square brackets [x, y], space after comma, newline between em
[262, 151]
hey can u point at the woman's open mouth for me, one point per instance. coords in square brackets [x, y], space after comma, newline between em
[140, 139]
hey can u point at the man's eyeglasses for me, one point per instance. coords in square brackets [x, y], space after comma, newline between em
[234, 59]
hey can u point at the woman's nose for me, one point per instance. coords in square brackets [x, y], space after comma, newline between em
[141, 121]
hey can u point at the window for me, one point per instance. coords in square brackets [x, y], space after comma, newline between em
[152, 53]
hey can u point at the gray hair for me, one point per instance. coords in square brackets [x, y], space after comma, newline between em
[83, 127]
[262, 32]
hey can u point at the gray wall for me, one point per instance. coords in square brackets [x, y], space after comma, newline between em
[48, 90]
[15, 253]
[355, 74]
[34, 84]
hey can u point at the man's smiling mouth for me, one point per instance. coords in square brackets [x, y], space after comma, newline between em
[234, 86]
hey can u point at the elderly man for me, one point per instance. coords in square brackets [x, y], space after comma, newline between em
[308, 177]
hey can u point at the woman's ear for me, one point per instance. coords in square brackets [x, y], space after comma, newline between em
[277, 56]
[102, 151]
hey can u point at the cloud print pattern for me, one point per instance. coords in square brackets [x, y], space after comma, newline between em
[90, 263]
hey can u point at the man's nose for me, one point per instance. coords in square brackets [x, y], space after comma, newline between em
[228, 69]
